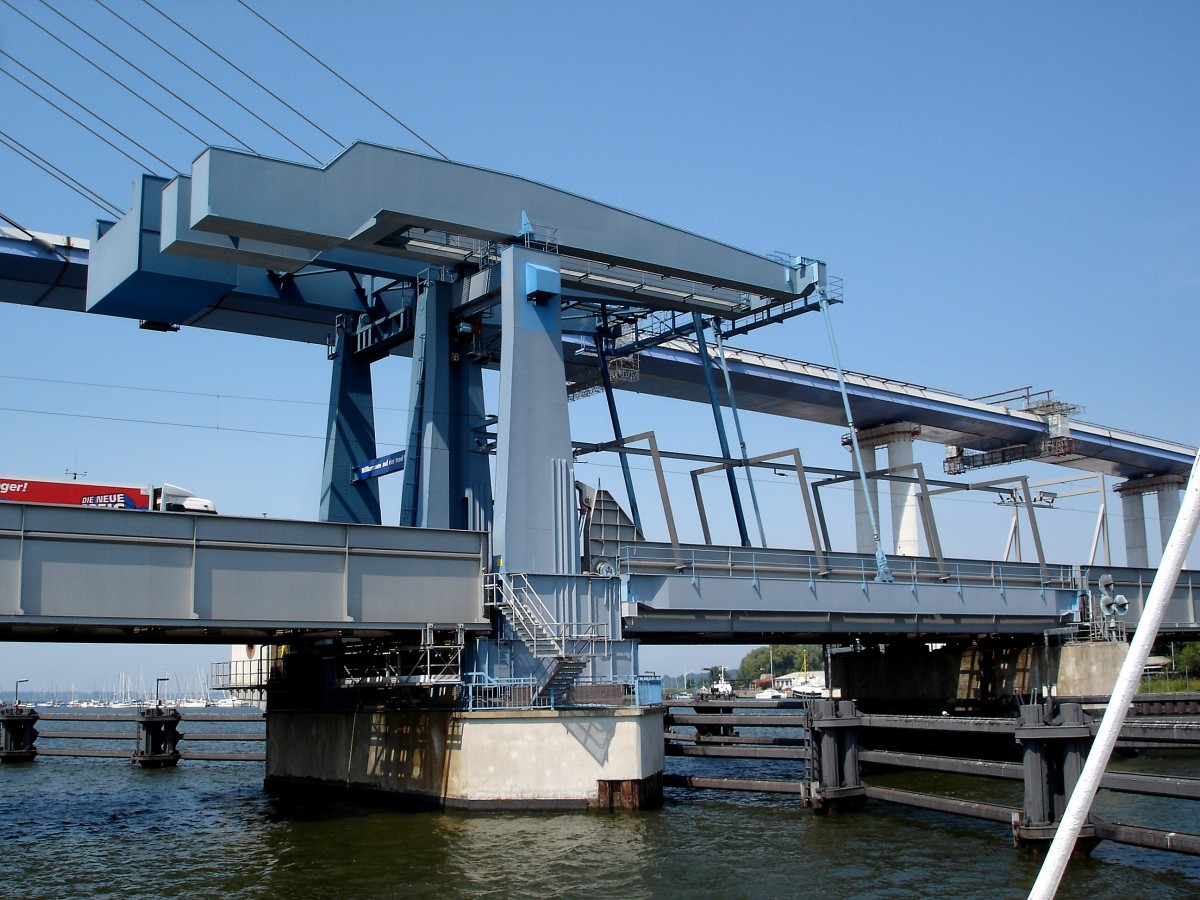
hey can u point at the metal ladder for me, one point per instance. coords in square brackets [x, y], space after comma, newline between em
[545, 638]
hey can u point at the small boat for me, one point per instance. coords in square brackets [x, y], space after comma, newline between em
[769, 694]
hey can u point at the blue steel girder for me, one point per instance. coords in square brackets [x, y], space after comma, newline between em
[128, 275]
[393, 202]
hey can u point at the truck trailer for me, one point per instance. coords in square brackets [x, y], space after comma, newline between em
[168, 498]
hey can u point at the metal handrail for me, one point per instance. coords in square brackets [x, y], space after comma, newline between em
[740, 562]
[538, 626]
[483, 691]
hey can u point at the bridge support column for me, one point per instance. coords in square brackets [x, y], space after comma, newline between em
[1168, 509]
[835, 727]
[349, 440]
[1055, 739]
[536, 509]
[864, 538]
[1133, 513]
[904, 495]
[18, 732]
[447, 478]
[897, 437]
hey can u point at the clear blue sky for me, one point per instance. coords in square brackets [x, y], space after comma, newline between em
[1009, 191]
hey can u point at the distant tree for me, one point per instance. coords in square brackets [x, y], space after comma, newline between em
[787, 658]
[1187, 658]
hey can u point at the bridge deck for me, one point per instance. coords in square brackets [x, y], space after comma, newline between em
[70, 573]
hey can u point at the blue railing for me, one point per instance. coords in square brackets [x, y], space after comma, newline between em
[482, 691]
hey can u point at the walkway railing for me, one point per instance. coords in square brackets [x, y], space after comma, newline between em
[768, 563]
[537, 626]
[481, 691]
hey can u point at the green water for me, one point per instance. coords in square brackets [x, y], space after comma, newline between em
[103, 828]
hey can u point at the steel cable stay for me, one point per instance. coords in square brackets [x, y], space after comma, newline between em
[154, 80]
[50, 169]
[337, 75]
[244, 73]
[884, 571]
[142, 165]
[207, 80]
[100, 69]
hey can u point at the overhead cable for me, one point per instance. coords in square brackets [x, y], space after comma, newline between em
[151, 78]
[344, 81]
[50, 169]
[244, 74]
[46, 99]
[206, 80]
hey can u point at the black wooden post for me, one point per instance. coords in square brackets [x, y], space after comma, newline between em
[835, 727]
[18, 724]
[1055, 738]
[158, 735]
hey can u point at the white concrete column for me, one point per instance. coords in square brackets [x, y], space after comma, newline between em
[1133, 509]
[904, 496]
[863, 533]
[1134, 515]
[1168, 510]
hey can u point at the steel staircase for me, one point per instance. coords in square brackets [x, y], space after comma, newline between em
[563, 652]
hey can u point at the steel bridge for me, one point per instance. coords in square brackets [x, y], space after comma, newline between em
[465, 269]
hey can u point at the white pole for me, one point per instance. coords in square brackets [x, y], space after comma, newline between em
[1080, 803]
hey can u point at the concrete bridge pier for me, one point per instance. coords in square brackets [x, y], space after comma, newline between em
[1133, 493]
[423, 747]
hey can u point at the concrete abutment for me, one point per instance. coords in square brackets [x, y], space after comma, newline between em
[605, 758]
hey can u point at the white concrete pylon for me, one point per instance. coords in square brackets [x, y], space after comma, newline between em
[897, 437]
[1133, 515]
[1133, 511]
[1168, 509]
[904, 496]
[864, 532]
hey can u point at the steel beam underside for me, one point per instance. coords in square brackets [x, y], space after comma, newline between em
[98, 574]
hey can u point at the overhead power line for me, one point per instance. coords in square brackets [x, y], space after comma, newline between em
[47, 100]
[244, 74]
[151, 78]
[207, 80]
[338, 76]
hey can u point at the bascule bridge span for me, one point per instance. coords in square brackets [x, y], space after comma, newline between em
[464, 270]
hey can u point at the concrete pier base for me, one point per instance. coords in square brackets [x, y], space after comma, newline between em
[497, 759]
